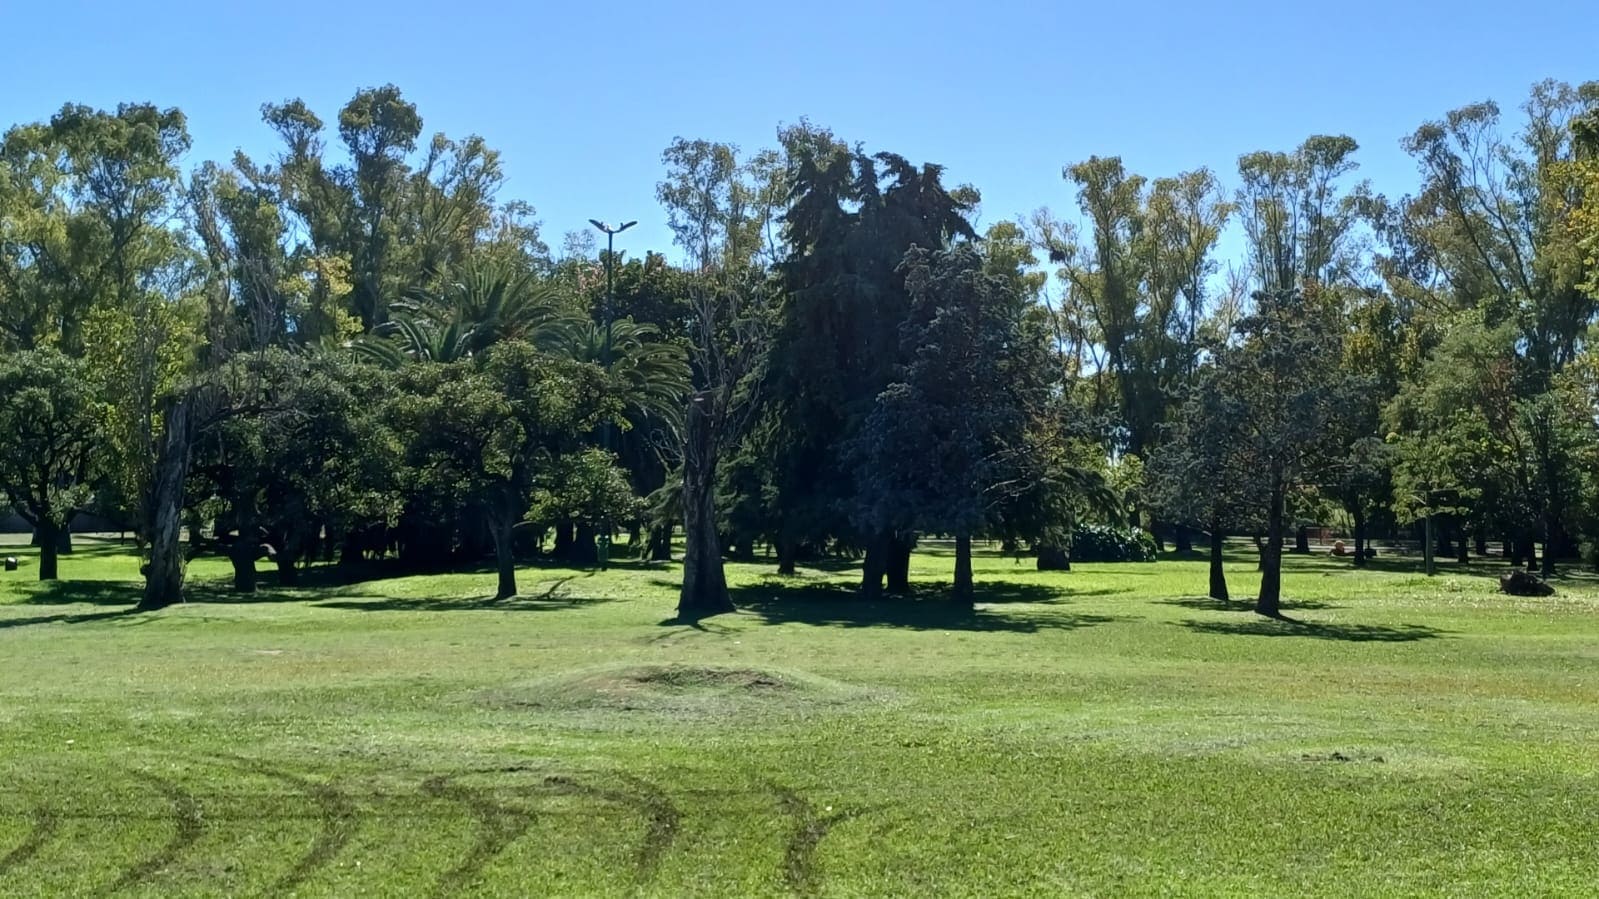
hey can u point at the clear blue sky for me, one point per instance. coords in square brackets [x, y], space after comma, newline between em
[581, 97]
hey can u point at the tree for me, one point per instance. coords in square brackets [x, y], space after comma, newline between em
[1202, 473]
[1281, 385]
[942, 447]
[50, 428]
[1297, 220]
[480, 431]
[730, 328]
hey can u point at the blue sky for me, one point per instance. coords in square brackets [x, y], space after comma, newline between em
[581, 97]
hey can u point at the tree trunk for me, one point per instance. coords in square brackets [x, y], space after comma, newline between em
[1302, 540]
[660, 544]
[163, 582]
[1527, 551]
[875, 567]
[787, 555]
[1551, 536]
[1184, 541]
[1054, 558]
[1218, 575]
[1512, 551]
[584, 550]
[704, 578]
[899, 565]
[49, 548]
[288, 567]
[963, 593]
[1481, 539]
[1360, 539]
[504, 555]
[245, 546]
[565, 537]
[1271, 557]
[1462, 546]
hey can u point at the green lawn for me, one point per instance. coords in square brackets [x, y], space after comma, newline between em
[1101, 732]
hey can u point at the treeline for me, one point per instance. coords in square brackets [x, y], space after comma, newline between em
[355, 350]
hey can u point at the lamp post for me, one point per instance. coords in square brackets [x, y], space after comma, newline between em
[604, 549]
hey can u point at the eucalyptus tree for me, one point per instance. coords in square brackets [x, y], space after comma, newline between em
[1299, 216]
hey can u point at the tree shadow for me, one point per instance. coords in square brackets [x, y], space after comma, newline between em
[63, 618]
[1319, 630]
[1205, 603]
[928, 607]
[69, 592]
[551, 600]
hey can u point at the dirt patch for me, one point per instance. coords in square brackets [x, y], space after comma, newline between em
[680, 691]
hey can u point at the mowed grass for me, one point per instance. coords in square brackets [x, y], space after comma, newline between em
[1102, 732]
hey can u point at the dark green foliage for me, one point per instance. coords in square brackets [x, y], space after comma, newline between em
[1103, 543]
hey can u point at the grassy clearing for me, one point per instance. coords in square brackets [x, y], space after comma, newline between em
[1100, 732]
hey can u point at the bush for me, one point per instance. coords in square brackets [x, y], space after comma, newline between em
[1099, 543]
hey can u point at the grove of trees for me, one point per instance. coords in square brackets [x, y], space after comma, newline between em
[355, 352]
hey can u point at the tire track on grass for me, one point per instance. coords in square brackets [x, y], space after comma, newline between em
[661, 816]
[799, 856]
[44, 827]
[187, 821]
[498, 825]
[337, 814]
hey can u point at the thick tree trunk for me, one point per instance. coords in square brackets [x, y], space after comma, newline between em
[875, 567]
[1527, 551]
[49, 549]
[1183, 540]
[584, 549]
[1218, 574]
[704, 578]
[899, 565]
[787, 555]
[1271, 557]
[245, 546]
[1054, 558]
[1302, 540]
[1512, 551]
[163, 582]
[1462, 546]
[504, 555]
[1481, 540]
[963, 593]
[1360, 539]
[288, 567]
[660, 544]
[565, 538]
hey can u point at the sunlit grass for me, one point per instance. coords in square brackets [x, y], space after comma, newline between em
[1106, 731]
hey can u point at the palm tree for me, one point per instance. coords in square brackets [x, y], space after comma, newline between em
[652, 373]
[485, 303]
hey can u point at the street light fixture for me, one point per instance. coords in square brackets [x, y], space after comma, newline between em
[604, 549]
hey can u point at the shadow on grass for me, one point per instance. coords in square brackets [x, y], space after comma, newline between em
[928, 607]
[29, 621]
[69, 592]
[1319, 630]
[1205, 603]
[552, 599]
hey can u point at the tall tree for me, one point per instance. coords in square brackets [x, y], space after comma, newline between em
[1281, 383]
[50, 434]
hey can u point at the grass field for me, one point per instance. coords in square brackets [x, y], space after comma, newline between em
[1101, 732]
